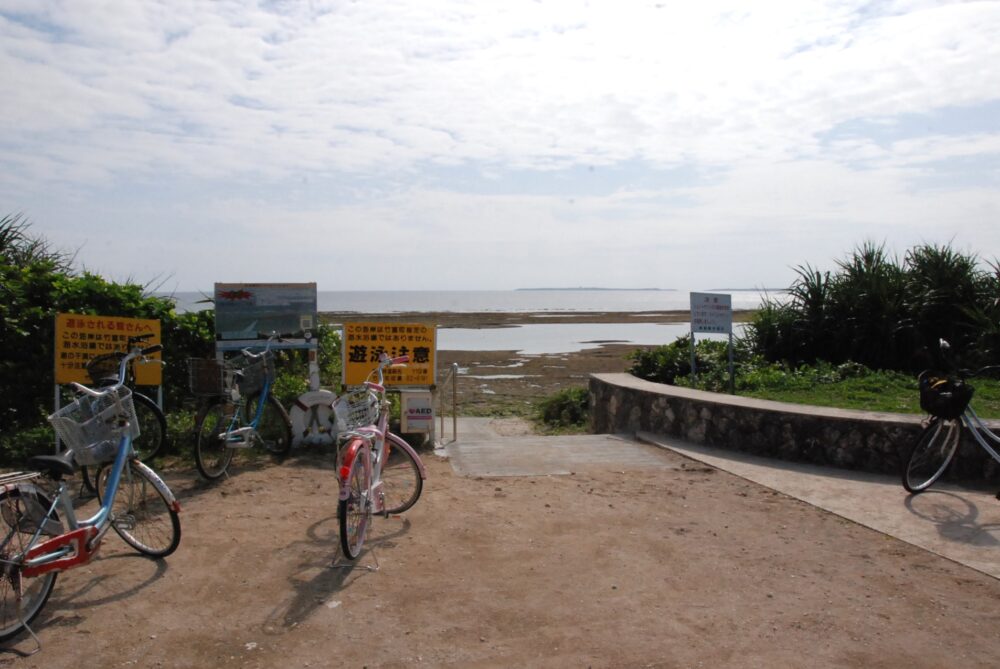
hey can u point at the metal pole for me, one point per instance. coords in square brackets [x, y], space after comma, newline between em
[454, 400]
[732, 375]
[694, 370]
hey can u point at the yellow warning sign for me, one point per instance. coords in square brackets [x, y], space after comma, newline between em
[79, 339]
[363, 342]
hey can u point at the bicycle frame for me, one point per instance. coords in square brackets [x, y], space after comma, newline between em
[372, 438]
[238, 434]
[78, 545]
[977, 428]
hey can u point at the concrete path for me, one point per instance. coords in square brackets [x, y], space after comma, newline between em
[959, 524]
[506, 447]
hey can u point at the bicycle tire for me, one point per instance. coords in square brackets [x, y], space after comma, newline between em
[931, 454]
[275, 427]
[143, 517]
[152, 439]
[355, 512]
[401, 481]
[18, 531]
[211, 455]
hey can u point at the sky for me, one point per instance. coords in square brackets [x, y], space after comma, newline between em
[447, 145]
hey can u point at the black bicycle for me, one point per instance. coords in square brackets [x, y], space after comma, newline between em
[945, 397]
[103, 371]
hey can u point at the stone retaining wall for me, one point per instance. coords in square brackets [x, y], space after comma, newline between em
[862, 440]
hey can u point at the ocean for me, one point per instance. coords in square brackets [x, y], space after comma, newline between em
[535, 339]
[467, 301]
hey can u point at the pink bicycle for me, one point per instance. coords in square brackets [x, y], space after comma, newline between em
[379, 474]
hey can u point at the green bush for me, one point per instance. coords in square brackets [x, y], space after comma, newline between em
[885, 313]
[566, 410]
[671, 363]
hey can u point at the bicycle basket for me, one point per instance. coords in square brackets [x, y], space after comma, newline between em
[206, 377]
[356, 409]
[944, 397]
[91, 427]
[256, 373]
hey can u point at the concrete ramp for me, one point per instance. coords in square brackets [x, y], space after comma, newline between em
[529, 455]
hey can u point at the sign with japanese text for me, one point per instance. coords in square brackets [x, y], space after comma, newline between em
[363, 342]
[416, 413]
[82, 338]
[248, 310]
[712, 312]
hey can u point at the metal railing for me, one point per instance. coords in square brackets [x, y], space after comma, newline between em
[452, 377]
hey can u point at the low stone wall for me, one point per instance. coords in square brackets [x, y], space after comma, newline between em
[862, 440]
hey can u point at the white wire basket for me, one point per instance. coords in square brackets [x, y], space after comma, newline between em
[91, 427]
[356, 409]
[256, 373]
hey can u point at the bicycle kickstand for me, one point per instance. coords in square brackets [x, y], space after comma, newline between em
[38, 642]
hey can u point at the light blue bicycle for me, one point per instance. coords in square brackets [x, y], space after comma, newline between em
[40, 534]
[239, 411]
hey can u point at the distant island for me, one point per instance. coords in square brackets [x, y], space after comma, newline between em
[608, 289]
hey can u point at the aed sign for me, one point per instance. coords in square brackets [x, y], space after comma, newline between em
[82, 338]
[416, 412]
[711, 312]
[364, 342]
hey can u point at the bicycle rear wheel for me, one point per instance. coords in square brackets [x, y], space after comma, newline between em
[932, 454]
[143, 517]
[21, 598]
[152, 439]
[275, 426]
[401, 482]
[355, 512]
[211, 455]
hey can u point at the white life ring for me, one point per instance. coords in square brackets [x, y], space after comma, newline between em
[313, 418]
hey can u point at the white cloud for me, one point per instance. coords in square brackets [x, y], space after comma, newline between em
[334, 118]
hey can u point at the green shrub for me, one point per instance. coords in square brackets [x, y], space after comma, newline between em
[567, 409]
[885, 313]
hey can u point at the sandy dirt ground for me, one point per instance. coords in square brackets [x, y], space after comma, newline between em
[676, 566]
[673, 566]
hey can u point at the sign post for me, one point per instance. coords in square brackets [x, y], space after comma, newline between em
[712, 313]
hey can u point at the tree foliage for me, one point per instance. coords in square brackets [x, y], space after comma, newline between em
[884, 312]
[36, 283]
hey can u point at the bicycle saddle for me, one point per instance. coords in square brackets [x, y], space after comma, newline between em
[55, 466]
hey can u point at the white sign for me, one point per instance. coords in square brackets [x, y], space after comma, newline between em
[712, 312]
[416, 411]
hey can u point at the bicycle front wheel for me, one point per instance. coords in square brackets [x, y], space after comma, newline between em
[275, 427]
[152, 439]
[211, 455]
[21, 598]
[401, 482]
[355, 512]
[932, 454]
[143, 516]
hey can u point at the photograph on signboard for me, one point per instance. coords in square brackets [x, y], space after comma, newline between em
[250, 310]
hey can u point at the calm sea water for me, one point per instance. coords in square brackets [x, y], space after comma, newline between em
[536, 339]
[500, 300]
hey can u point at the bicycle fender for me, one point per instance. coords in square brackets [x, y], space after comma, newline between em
[350, 452]
[159, 485]
[401, 443]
